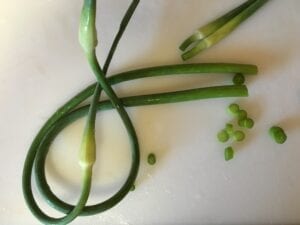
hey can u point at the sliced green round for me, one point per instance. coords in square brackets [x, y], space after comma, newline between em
[233, 108]
[238, 135]
[223, 136]
[151, 159]
[229, 129]
[247, 123]
[228, 153]
[238, 79]
[242, 114]
[241, 123]
[132, 188]
[278, 134]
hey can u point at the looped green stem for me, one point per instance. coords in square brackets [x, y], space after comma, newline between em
[53, 125]
[68, 113]
[132, 101]
[88, 40]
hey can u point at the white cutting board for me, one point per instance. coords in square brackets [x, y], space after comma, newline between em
[42, 65]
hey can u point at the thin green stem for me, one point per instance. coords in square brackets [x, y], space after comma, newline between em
[196, 68]
[91, 118]
[74, 211]
[122, 28]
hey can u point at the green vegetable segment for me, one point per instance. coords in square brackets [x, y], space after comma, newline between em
[213, 26]
[229, 128]
[218, 32]
[37, 155]
[238, 135]
[151, 159]
[223, 136]
[238, 79]
[66, 115]
[247, 123]
[277, 134]
[241, 114]
[132, 188]
[234, 109]
[87, 29]
[228, 153]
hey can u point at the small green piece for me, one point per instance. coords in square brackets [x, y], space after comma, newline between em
[278, 134]
[247, 123]
[132, 188]
[151, 159]
[233, 108]
[242, 114]
[223, 136]
[238, 135]
[238, 79]
[241, 123]
[228, 153]
[229, 128]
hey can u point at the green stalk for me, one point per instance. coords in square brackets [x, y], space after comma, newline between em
[87, 92]
[88, 30]
[213, 26]
[37, 153]
[87, 27]
[223, 31]
[160, 98]
[88, 41]
[132, 101]
[185, 69]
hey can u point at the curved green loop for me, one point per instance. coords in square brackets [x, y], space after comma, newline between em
[159, 98]
[88, 40]
[67, 114]
[118, 78]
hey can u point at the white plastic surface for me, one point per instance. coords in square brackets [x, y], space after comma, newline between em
[42, 66]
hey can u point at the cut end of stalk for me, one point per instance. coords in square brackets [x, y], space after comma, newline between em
[199, 46]
[197, 36]
[217, 30]
[254, 70]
